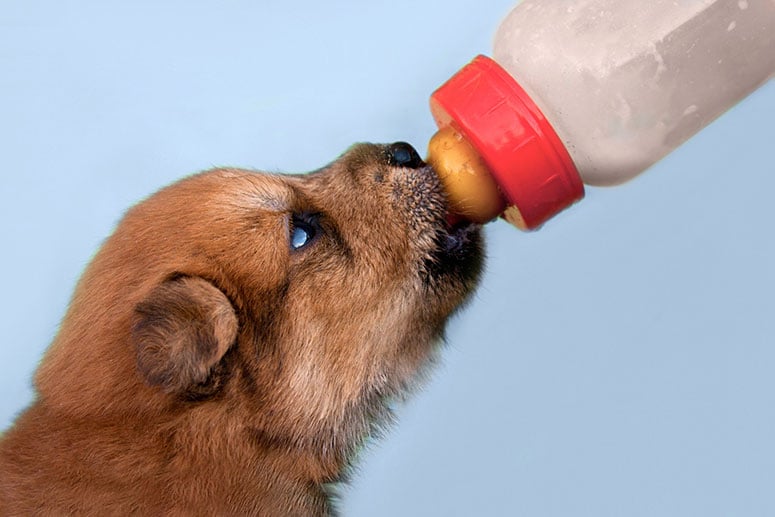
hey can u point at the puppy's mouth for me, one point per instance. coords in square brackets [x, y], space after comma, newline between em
[452, 247]
[458, 235]
[457, 251]
[458, 243]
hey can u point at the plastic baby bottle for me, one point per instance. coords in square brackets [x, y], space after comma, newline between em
[590, 91]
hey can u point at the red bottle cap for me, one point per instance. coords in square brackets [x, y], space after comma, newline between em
[524, 154]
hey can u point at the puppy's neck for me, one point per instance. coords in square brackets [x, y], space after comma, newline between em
[201, 461]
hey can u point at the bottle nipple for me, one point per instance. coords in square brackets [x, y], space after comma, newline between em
[472, 193]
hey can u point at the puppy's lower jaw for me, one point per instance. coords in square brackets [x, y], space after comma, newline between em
[454, 266]
[459, 236]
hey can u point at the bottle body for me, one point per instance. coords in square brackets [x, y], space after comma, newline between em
[596, 91]
[623, 83]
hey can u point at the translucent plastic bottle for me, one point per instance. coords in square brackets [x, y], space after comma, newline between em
[594, 91]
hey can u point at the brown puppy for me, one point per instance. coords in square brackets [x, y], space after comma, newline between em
[237, 338]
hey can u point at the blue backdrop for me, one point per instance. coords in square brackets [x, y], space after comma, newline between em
[618, 362]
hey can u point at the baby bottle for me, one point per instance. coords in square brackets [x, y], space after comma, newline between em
[590, 92]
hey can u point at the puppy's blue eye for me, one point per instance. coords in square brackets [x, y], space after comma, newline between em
[304, 229]
[299, 238]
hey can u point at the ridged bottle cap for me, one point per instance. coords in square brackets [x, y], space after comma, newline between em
[528, 160]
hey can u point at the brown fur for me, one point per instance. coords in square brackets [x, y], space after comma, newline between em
[204, 367]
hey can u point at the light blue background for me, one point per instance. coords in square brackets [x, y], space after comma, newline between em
[618, 362]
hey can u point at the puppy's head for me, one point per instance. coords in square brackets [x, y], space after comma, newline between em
[298, 303]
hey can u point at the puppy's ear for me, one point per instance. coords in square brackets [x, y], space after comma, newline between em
[180, 331]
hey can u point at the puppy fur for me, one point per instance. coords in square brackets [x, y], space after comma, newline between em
[209, 364]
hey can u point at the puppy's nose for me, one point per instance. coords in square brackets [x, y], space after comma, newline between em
[401, 154]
